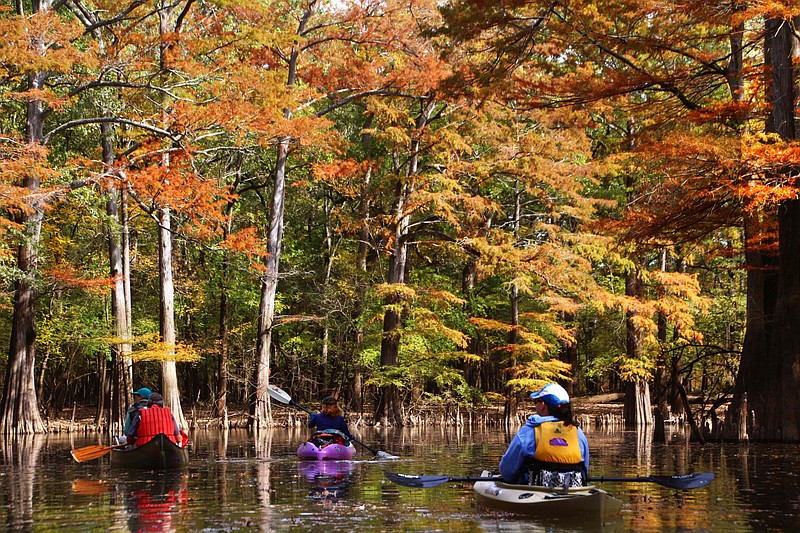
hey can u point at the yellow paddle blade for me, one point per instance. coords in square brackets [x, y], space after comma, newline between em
[90, 487]
[87, 453]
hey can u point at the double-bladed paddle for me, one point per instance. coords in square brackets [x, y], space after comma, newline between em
[87, 453]
[682, 482]
[283, 397]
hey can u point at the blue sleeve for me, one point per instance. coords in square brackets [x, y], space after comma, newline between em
[312, 422]
[343, 428]
[584, 449]
[515, 455]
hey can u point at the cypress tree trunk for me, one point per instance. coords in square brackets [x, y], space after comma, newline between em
[636, 409]
[19, 411]
[769, 373]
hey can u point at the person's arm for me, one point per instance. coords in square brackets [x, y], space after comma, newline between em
[344, 429]
[134, 425]
[128, 420]
[584, 449]
[512, 460]
[312, 422]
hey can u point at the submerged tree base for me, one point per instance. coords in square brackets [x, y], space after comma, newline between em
[603, 411]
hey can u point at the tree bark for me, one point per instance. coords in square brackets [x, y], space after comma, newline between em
[262, 414]
[262, 411]
[169, 374]
[769, 373]
[636, 409]
[19, 412]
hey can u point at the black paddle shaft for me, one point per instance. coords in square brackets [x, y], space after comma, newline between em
[682, 482]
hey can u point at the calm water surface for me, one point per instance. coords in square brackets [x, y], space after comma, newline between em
[238, 481]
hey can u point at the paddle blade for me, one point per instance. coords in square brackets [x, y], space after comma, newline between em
[684, 482]
[91, 487]
[417, 482]
[681, 482]
[385, 455]
[87, 453]
[278, 394]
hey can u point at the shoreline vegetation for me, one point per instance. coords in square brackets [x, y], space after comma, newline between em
[602, 410]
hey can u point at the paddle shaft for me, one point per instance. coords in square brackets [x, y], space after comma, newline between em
[684, 482]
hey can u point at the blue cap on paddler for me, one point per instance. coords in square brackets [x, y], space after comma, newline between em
[552, 394]
[144, 392]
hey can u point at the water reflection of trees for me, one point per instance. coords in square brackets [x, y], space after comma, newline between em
[20, 457]
[263, 444]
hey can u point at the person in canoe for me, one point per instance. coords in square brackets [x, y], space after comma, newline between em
[330, 417]
[140, 398]
[550, 449]
[151, 420]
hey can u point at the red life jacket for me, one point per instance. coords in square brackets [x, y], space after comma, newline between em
[155, 420]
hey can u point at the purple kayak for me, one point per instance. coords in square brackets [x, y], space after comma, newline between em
[327, 444]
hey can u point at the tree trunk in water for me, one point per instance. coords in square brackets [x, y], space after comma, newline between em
[782, 416]
[361, 289]
[636, 410]
[221, 406]
[262, 414]
[169, 374]
[510, 405]
[661, 379]
[769, 372]
[261, 408]
[119, 386]
[222, 364]
[19, 412]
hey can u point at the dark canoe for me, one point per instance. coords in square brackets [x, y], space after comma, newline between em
[160, 453]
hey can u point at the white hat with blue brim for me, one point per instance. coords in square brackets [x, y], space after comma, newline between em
[552, 394]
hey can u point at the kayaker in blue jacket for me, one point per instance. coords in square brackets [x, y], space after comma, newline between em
[549, 450]
[330, 417]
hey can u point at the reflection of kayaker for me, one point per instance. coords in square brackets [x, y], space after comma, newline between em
[316, 470]
[328, 480]
[155, 508]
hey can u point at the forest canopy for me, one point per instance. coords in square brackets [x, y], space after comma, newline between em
[403, 203]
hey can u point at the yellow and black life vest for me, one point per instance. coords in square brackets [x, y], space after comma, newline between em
[557, 444]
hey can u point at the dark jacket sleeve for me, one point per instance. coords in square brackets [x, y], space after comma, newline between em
[134, 424]
[344, 429]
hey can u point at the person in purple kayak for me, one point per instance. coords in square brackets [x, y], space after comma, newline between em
[550, 449]
[330, 417]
